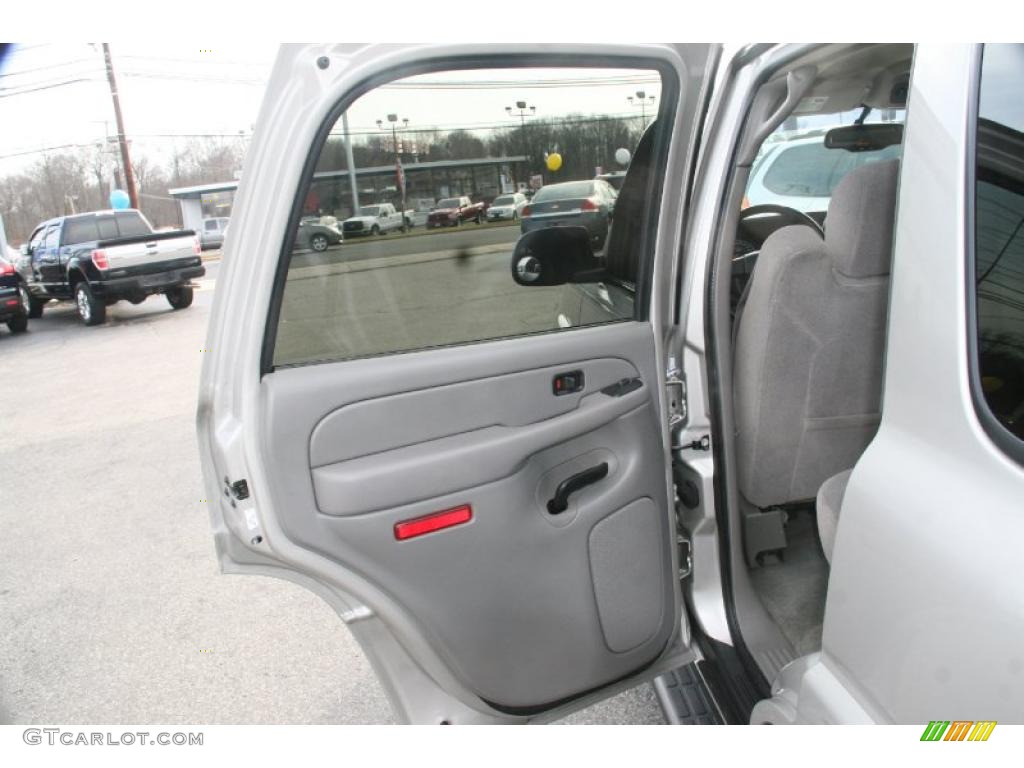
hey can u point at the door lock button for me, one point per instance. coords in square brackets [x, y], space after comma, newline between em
[567, 383]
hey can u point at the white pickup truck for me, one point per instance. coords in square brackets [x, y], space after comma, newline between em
[375, 220]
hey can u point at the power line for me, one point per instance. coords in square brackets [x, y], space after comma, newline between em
[45, 68]
[469, 127]
[193, 78]
[172, 60]
[46, 87]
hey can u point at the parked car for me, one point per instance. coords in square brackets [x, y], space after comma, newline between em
[802, 172]
[99, 258]
[588, 204]
[615, 178]
[802, 509]
[375, 220]
[211, 233]
[318, 233]
[453, 211]
[14, 298]
[506, 207]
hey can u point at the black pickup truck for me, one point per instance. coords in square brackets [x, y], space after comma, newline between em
[99, 258]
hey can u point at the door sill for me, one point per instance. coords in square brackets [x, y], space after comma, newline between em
[685, 698]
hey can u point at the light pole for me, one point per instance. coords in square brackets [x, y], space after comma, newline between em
[399, 172]
[643, 100]
[524, 110]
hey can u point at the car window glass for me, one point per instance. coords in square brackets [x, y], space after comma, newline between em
[37, 238]
[565, 191]
[51, 236]
[81, 230]
[999, 235]
[131, 224]
[106, 227]
[794, 168]
[441, 147]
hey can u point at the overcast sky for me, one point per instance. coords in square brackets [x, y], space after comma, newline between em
[60, 96]
[165, 89]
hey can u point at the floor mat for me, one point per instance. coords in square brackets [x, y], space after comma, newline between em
[793, 590]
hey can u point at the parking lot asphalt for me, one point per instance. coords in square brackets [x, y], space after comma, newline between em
[112, 609]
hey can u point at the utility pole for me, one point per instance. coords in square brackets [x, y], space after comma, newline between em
[522, 107]
[350, 161]
[126, 161]
[399, 171]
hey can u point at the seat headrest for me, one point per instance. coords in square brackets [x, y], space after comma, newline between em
[859, 226]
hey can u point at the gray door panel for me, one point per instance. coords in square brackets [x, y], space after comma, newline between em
[395, 421]
[486, 451]
[527, 608]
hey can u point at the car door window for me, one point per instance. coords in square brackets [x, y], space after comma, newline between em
[999, 236]
[81, 230]
[448, 136]
[51, 237]
[36, 239]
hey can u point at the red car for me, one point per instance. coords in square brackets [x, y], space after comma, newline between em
[452, 211]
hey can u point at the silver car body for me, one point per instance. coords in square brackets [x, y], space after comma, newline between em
[922, 618]
[211, 234]
[499, 211]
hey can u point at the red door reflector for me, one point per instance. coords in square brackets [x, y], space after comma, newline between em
[435, 521]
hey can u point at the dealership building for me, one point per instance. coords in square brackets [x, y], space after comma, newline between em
[332, 191]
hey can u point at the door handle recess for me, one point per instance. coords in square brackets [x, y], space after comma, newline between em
[560, 502]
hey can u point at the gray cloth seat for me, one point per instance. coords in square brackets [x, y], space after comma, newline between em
[810, 344]
[826, 505]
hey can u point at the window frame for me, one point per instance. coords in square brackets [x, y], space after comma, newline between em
[1009, 443]
[45, 243]
[670, 94]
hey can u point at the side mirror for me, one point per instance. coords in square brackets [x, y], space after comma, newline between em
[556, 256]
[24, 249]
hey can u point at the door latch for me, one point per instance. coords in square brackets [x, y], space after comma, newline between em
[238, 489]
[685, 555]
[676, 390]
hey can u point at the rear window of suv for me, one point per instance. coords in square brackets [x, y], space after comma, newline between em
[999, 238]
[812, 170]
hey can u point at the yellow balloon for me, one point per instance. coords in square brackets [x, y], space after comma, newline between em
[554, 161]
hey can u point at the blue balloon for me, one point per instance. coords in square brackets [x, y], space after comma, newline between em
[119, 200]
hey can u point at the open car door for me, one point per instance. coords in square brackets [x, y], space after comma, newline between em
[472, 472]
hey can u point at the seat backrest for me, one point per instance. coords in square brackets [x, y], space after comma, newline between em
[625, 238]
[810, 343]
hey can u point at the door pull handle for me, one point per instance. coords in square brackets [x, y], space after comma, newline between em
[560, 502]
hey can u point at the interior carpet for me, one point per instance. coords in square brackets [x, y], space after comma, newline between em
[793, 591]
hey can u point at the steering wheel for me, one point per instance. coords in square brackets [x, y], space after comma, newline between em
[745, 252]
[790, 216]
